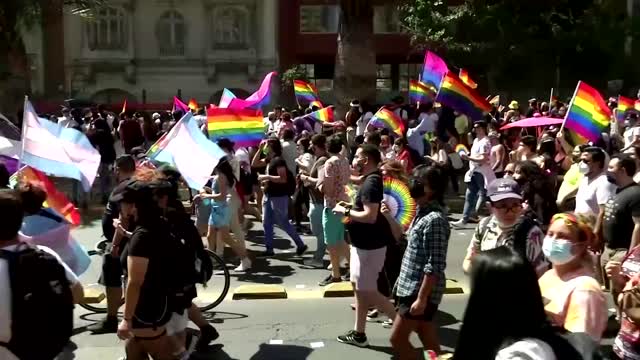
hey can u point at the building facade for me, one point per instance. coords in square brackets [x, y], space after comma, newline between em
[307, 35]
[150, 50]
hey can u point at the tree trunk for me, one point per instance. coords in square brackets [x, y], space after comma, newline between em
[14, 73]
[355, 72]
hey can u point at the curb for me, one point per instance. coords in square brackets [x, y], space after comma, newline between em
[93, 296]
[345, 289]
[257, 292]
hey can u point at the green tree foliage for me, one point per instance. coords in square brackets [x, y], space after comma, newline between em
[535, 43]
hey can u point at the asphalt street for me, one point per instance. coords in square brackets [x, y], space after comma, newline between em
[303, 326]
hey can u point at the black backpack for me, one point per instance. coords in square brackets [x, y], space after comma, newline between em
[42, 304]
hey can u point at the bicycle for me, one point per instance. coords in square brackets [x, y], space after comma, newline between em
[210, 295]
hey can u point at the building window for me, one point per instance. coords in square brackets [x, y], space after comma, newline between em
[386, 19]
[408, 72]
[320, 75]
[171, 33]
[230, 28]
[108, 31]
[319, 18]
[384, 81]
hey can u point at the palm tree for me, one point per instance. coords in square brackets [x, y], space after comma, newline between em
[17, 15]
[355, 72]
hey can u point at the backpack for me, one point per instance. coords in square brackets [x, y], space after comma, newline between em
[42, 304]
[193, 264]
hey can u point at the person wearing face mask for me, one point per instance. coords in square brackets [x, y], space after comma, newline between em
[370, 233]
[479, 174]
[571, 294]
[621, 223]
[422, 282]
[632, 133]
[594, 189]
[506, 226]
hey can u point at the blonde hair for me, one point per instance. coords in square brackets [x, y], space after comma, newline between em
[395, 169]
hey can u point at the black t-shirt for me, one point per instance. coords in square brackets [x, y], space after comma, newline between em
[272, 188]
[112, 211]
[151, 243]
[618, 216]
[370, 236]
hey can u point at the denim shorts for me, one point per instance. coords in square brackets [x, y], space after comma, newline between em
[220, 216]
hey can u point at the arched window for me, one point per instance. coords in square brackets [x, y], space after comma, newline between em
[231, 28]
[171, 35]
[108, 31]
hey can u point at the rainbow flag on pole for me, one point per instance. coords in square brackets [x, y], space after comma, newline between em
[420, 92]
[305, 92]
[387, 118]
[624, 104]
[324, 115]
[317, 104]
[588, 114]
[456, 94]
[464, 76]
[193, 104]
[244, 127]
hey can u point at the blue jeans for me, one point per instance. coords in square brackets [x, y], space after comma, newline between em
[275, 211]
[475, 190]
[315, 218]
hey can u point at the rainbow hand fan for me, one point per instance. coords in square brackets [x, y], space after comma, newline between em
[461, 149]
[399, 201]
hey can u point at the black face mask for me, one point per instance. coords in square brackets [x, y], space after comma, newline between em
[416, 188]
[611, 178]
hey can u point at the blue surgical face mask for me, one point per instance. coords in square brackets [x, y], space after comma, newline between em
[558, 251]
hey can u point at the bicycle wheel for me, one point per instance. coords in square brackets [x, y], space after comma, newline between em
[216, 289]
[91, 285]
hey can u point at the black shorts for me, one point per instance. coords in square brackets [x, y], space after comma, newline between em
[111, 271]
[403, 305]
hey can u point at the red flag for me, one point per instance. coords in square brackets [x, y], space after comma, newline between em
[464, 76]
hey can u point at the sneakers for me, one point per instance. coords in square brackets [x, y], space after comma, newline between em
[372, 315]
[353, 338]
[314, 263]
[207, 335]
[329, 280]
[460, 223]
[346, 276]
[302, 249]
[245, 264]
[108, 325]
[387, 324]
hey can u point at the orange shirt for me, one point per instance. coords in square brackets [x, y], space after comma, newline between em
[575, 302]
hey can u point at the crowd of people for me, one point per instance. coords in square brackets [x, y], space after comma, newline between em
[556, 222]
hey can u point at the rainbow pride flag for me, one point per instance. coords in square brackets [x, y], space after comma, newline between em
[588, 114]
[420, 92]
[324, 115]
[464, 76]
[244, 127]
[636, 105]
[124, 106]
[56, 200]
[387, 118]
[316, 103]
[305, 92]
[457, 95]
[624, 104]
[193, 105]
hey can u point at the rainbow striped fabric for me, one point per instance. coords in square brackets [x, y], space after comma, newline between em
[244, 127]
[455, 94]
[324, 115]
[624, 104]
[420, 92]
[305, 92]
[636, 105]
[588, 114]
[464, 76]
[387, 118]
[193, 104]
[316, 103]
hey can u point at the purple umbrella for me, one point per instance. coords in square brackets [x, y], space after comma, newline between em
[532, 122]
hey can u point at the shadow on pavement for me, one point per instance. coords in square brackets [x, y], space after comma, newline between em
[262, 273]
[281, 352]
[256, 237]
[219, 317]
[445, 319]
[213, 352]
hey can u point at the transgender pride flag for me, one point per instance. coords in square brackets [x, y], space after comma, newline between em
[56, 150]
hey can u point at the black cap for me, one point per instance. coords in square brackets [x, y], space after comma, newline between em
[133, 191]
[501, 189]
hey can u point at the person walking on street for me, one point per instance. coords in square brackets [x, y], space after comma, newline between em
[316, 205]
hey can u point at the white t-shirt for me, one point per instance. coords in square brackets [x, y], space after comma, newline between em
[415, 136]
[361, 123]
[527, 349]
[479, 147]
[593, 193]
[631, 134]
[5, 297]
[289, 154]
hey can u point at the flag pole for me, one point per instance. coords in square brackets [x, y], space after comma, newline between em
[23, 132]
[550, 99]
[570, 105]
